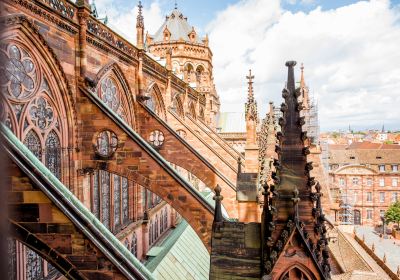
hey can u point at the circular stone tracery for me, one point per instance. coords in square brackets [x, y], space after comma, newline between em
[41, 113]
[106, 143]
[156, 138]
[18, 73]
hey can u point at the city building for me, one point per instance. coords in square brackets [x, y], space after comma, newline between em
[364, 180]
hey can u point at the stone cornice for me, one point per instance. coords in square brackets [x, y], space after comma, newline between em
[49, 14]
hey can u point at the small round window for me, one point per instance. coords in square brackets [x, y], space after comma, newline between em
[106, 143]
[156, 138]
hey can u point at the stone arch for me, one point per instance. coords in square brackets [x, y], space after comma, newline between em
[297, 272]
[156, 101]
[112, 73]
[201, 114]
[192, 110]
[177, 105]
[188, 70]
[199, 73]
[40, 98]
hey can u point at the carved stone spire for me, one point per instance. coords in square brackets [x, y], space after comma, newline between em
[251, 105]
[140, 27]
[140, 19]
[304, 90]
[251, 149]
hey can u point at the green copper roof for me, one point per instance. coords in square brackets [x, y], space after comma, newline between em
[183, 256]
[79, 209]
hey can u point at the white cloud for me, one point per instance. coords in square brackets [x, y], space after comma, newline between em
[123, 21]
[351, 56]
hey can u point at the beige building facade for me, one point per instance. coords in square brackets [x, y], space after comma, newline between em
[364, 180]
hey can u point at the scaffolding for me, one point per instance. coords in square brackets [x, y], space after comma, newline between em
[346, 204]
[311, 125]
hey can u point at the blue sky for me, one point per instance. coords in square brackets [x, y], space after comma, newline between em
[203, 12]
[350, 50]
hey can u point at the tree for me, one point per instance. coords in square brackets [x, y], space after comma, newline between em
[393, 214]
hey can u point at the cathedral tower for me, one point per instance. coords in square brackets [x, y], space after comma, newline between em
[191, 58]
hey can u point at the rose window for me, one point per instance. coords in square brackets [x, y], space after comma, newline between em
[41, 113]
[156, 138]
[18, 73]
[109, 94]
[106, 143]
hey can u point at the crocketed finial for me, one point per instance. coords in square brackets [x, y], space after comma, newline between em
[140, 20]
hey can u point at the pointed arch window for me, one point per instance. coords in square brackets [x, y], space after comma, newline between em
[125, 200]
[117, 201]
[103, 184]
[153, 104]
[177, 106]
[110, 93]
[32, 142]
[53, 154]
[105, 197]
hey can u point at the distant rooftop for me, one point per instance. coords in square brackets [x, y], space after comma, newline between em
[178, 26]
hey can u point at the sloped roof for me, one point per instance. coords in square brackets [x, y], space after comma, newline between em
[178, 26]
[183, 256]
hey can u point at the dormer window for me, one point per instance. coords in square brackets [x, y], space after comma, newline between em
[167, 34]
[192, 35]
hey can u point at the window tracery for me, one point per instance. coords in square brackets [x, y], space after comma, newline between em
[41, 113]
[53, 154]
[31, 114]
[18, 72]
[156, 138]
[103, 183]
[110, 94]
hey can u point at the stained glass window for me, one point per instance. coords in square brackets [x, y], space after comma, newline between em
[166, 219]
[105, 197]
[53, 154]
[12, 259]
[134, 245]
[32, 142]
[95, 195]
[34, 265]
[117, 201]
[125, 200]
